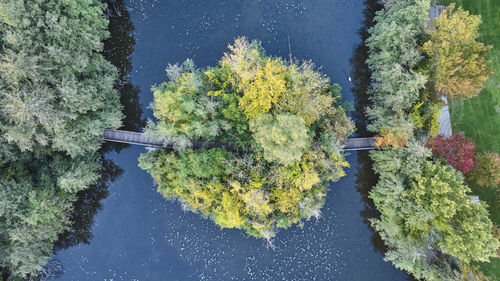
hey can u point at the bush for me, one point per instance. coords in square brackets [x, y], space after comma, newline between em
[487, 170]
[456, 151]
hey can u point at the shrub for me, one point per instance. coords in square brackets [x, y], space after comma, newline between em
[457, 151]
[487, 170]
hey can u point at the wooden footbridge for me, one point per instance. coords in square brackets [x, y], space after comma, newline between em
[141, 139]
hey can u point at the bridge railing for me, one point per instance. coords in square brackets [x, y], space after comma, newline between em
[141, 139]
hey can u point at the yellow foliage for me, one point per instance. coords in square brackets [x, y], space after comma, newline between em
[471, 272]
[459, 67]
[389, 137]
[287, 199]
[307, 177]
[230, 211]
[262, 90]
[307, 93]
[201, 199]
[257, 203]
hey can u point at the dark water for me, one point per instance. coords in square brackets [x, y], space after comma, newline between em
[125, 230]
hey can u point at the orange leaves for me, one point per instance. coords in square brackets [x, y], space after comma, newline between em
[389, 138]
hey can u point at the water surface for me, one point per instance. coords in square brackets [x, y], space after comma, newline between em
[125, 230]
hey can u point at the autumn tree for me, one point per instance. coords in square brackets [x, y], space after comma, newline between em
[286, 119]
[459, 69]
[456, 151]
[487, 170]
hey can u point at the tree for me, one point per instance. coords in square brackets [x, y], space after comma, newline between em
[57, 90]
[56, 99]
[457, 151]
[33, 210]
[393, 57]
[471, 272]
[487, 170]
[284, 137]
[458, 68]
[428, 221]
[438, 207]
[286, 118]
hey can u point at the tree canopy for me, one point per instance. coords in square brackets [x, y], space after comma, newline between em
[456, 151]
[57, 90]
[487, 170]
[285, 116]
[426, 208]
[459, 68]
[56, 99]
[429, 223]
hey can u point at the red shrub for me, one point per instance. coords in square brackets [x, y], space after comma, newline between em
[457, 151]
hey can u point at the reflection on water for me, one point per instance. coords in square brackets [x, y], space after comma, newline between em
[365, 178]
[87, 205]
[360, 72]
[117, 49]
[138, 235]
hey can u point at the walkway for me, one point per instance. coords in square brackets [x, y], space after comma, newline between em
[142, 139]
[444, 114]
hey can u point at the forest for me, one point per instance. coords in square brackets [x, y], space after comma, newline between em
[433, 227]
[274, 130]
[57, 98]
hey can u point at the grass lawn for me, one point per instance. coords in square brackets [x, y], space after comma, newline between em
[479, 117]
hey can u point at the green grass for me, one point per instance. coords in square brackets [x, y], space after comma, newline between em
[479, 117]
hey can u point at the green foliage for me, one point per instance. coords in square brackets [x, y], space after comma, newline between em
[57, 90]
[56, 99]
[487, 170]
[284, 137]
[439, 205]
[286, 120]
[305, 95]
[33, 211]
[425, 117]
[393, 56]
[472, 272]
[427, 221]
[479, 117]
